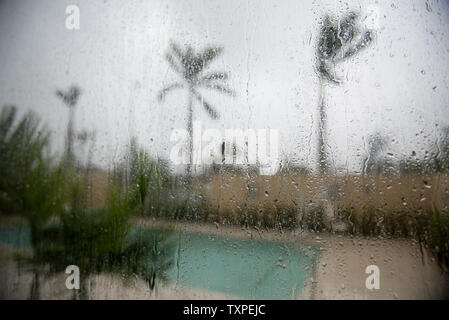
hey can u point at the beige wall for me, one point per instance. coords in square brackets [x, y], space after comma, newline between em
[235, 192]
[230, 192]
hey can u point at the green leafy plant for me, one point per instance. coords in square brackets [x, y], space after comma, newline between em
[104, 241]
[438, 235]
[30, 183]
[313, 219]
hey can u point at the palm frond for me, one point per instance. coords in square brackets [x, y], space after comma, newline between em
[74, 94]
[167, 89]
[336, 43]
[7, 118]
[190, 65]
[209, 109]
[70, 97]
[348, 28]
[176, 49]
[209, 54]
[220, 87]
[60, 94]
[363, 43]
[175, 66]
[329, 42]
[211, 76]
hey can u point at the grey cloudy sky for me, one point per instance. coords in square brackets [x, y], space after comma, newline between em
[398, 86]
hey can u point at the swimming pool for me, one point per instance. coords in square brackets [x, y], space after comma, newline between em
[252, 269]
[240, 267]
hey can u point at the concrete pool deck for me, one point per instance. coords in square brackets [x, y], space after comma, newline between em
[405, 273]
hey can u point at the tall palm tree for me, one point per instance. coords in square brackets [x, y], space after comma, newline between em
[70, 98]
[338, 41]
[191, 66]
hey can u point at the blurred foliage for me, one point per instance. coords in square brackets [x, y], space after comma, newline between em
[148, 180]
[64, 231]
[147, 176]
[276, 217]
[339, 40]
[30, 183]
[312, 219]
[428, 226]
[161, 194]
[437, 235]
[191, 66]
[104, 241]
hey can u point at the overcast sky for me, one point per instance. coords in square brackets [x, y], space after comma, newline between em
[398, 86]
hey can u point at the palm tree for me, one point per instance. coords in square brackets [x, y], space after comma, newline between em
[191, 66]
[70, 98]
[338, 41]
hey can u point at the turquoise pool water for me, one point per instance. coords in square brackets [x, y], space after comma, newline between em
[246, 268]
[15, 236]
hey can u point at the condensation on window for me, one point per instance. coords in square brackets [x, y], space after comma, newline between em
[224, 149]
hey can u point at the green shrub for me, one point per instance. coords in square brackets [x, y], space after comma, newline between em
[30, 183]
[313, 219]
[437, 235]
[430, 227]
[22, 158]
[104, 241]
[64, 230]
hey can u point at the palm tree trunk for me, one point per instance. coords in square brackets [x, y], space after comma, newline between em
[35, 286]
[69, 142]
[190, 131]
[322, 161]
